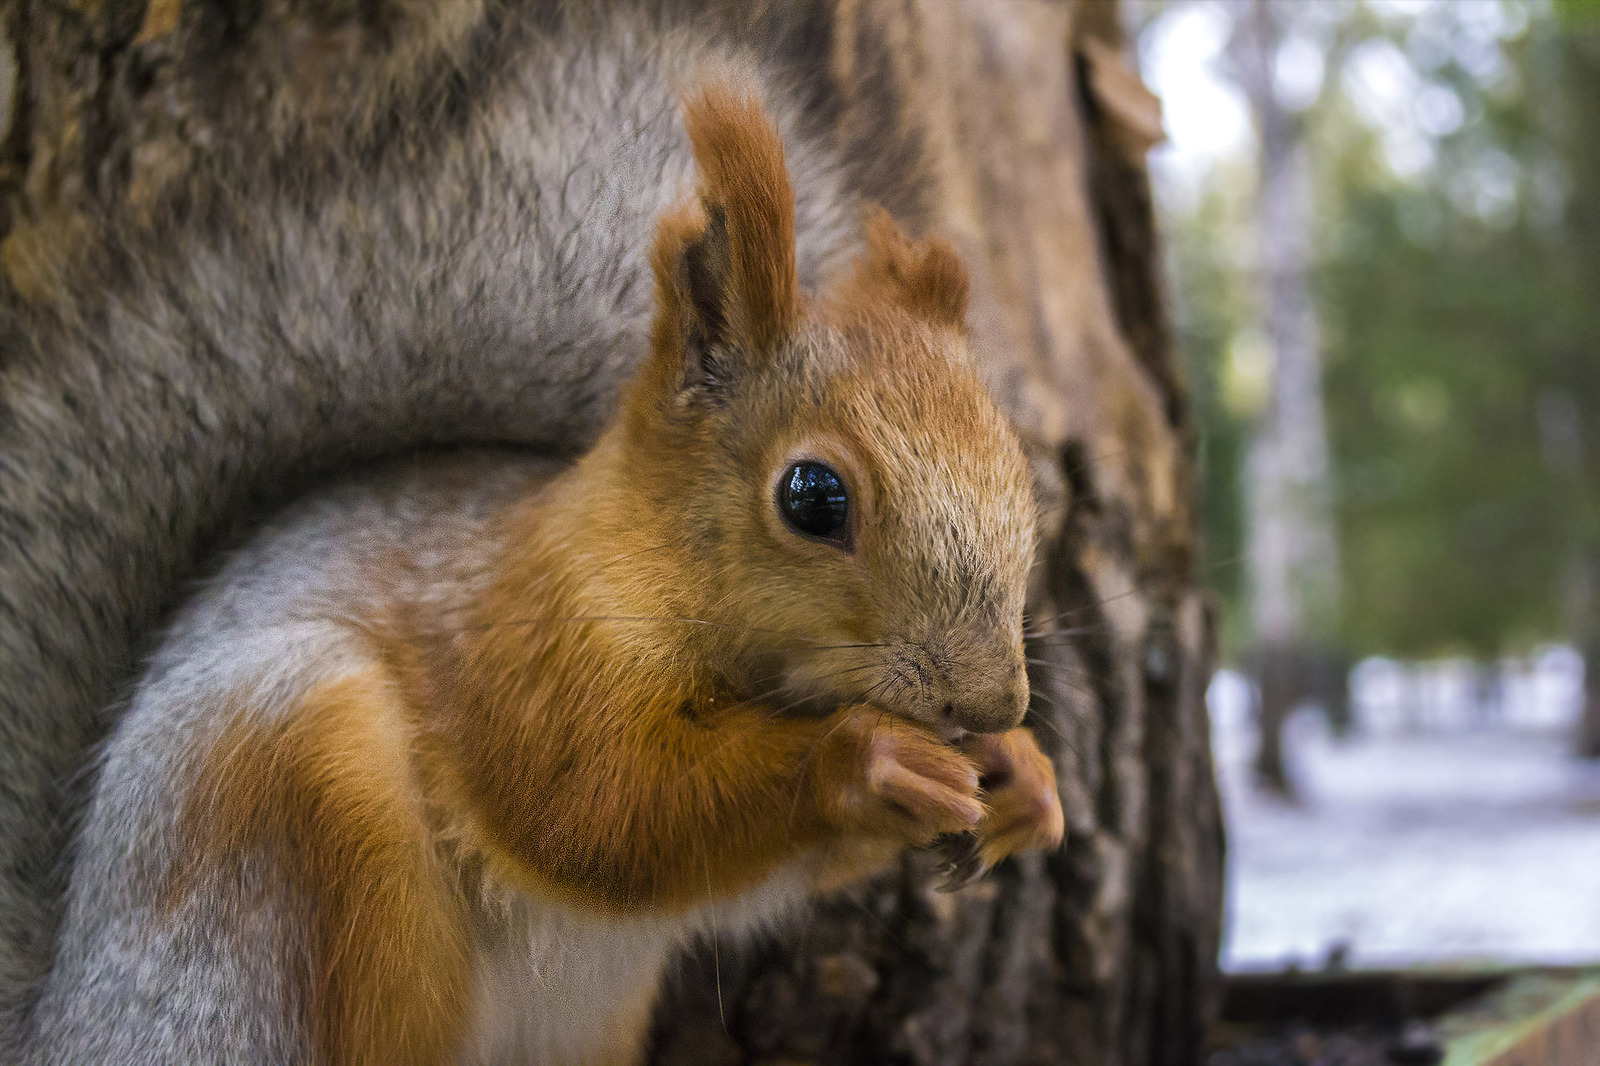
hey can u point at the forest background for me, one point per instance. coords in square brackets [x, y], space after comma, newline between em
[1449, 229]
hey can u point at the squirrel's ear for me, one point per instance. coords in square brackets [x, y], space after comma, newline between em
[726, 285]
[690, 261]
[925, 277]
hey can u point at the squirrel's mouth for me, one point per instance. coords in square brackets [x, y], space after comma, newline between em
[900, 677]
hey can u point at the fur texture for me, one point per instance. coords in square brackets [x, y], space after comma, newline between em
[443, 761]
[441, 243]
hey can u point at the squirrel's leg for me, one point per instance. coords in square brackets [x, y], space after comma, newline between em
[669, 809]
[329, 788]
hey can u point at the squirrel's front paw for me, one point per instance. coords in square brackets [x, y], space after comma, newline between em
[1024, 804]
[895, 777]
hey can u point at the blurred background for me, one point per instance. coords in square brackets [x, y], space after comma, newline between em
[1383, 226]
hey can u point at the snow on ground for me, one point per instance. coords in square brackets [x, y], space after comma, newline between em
[1453, 838]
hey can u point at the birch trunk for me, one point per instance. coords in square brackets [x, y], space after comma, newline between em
[1291, 552]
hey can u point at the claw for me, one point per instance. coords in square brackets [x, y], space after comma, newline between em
[963, 861]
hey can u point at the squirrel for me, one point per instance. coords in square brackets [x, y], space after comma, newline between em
[446, 763]
[450, 250]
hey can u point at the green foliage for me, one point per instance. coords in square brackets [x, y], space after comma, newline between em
[1460, 313]
[1456, 367]
[1578, 14]
[1451, 527]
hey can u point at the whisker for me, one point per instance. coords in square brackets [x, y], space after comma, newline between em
[1095, 629]
[1138, 587]
[677, 619]
[641, 551]
[716, 946]
[839, 647]
[1068, 742]
[792, 688]
[1061, 667]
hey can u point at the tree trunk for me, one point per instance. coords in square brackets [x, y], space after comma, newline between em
[1588, 741]
[1578, 135]
[1032, 131]
[1292, 556]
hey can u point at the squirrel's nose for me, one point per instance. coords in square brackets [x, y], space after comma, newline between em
[991, 707]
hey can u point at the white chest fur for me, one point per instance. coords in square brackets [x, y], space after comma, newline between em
[562, 987]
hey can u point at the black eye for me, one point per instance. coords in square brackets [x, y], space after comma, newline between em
[813, 500]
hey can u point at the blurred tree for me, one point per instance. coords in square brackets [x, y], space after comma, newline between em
[1462, 354]
[1209, 302]
[1464, 384]
[1455, 255]
[1290, 547]
[1439, 301]
[1577, 377]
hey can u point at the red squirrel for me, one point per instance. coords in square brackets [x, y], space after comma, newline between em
[444, 766]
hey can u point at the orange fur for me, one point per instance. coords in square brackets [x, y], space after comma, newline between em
[1024, 802]
[925, 278]
[741, 162]
[674, 320]
[613, 766]
[633, 788]
[327, 790]
[585, 723]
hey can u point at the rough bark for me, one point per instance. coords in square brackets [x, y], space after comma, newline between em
[1034, 130]
[1103, 952]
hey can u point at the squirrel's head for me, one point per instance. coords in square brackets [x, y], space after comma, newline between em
[857, 512]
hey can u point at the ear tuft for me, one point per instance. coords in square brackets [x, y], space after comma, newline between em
[926, 278]
[726, 284]
[744, 179]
